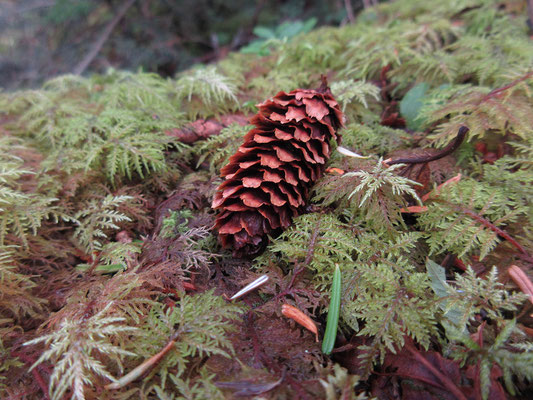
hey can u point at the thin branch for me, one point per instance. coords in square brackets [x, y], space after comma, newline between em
[97, 46]
[349, 11]
[449, 149]
[530, 15]
[486, 223]
[144, 367]
[499, 90]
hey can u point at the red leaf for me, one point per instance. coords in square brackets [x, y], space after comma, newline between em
[428, 369]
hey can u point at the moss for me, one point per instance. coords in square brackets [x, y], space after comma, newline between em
[93, 174]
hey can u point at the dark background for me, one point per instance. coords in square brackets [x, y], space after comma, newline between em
[40, 39]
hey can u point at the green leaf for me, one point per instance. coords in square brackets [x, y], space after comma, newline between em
[333, 313]
[258, 47]
[264, 32]
[308, 25]
[437, 274]
[411, 104]
[289, 29]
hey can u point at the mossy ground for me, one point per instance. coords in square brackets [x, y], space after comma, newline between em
[108, 253]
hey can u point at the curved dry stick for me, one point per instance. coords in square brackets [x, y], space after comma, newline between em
[144, 367]
[449, 149]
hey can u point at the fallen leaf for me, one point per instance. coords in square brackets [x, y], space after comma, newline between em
[431, 373]
[249, 388]
[298, 316]
[521, 279]
[334, 170]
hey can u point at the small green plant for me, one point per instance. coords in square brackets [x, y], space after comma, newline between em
[333, 313]
[269, 36]
[376, 193]
[514, 359]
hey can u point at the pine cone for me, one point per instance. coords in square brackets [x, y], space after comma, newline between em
[267, 180]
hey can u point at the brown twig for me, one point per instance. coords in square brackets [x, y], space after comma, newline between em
[449, 149]
[530, 15]
[141, 369]
[349, 11]
[97, 46]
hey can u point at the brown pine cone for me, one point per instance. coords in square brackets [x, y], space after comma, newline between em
[267, 180]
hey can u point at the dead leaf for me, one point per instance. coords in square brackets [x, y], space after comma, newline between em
[298, 316]
[249, 387]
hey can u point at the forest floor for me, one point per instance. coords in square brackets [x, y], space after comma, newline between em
[114, 283]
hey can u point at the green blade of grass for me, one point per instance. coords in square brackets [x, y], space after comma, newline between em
[333, 313]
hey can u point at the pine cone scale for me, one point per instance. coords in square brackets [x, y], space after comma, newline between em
[267, 180]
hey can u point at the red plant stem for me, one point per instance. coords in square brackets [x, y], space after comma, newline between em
[497, 91]
[489, 225]
[38, 378]
[447, 382]
[40, 381]
[477, 383]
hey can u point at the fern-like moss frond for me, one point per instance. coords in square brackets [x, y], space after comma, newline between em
[215, 92]
[199, 324]
[376, 194]
[353, 96]
[514, 359]
[472, 295]
[484, 112]
[460, 218]
[16, 298]
[21, 211]
[76, 350]
[97, 219]
[392, 300]
[218, 148]
[318, 242]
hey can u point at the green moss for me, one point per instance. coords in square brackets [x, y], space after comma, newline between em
[92, 172]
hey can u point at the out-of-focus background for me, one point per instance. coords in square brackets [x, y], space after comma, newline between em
[40, 39]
